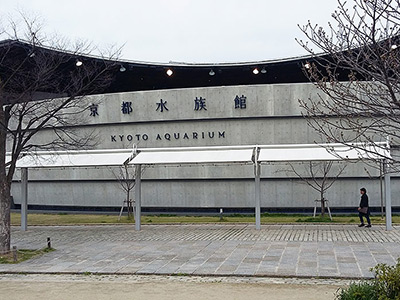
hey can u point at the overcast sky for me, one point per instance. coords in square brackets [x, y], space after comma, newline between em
[182, 30]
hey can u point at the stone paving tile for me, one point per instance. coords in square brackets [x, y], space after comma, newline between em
[275, 250]
[267, 267]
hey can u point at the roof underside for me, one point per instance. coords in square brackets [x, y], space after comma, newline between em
[140, 76]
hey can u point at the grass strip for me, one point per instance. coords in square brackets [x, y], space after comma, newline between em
[22, 255]
[83, 219]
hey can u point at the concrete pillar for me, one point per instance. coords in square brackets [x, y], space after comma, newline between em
[24, 201]
[388, 195]
[138, 197]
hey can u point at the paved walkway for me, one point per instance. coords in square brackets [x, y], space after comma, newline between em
[341, 251]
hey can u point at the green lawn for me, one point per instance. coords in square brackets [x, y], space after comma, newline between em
[22, 255]
[79, 219]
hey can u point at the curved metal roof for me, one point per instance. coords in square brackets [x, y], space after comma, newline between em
[141, 76]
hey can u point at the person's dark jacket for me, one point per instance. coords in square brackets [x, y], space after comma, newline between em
[364, 201]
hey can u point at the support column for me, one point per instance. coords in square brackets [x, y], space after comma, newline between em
[24, 200]
[381, 188]
[257, 172]
[138, 196]
[388, 195]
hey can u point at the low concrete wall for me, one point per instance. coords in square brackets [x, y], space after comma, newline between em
[275, 193]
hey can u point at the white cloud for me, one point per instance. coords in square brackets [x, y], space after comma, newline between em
[184, 30]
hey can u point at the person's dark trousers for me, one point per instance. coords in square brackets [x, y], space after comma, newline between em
[361, 215]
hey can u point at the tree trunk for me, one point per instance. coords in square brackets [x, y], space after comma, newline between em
[128, 204]
[128, 191]
[5, 206]
[322, 205]
[5, 203]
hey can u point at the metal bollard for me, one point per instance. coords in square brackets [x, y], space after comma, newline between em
[48, 243]
[15, 255]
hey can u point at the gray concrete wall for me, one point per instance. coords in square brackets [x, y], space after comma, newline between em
[289, 193]
[271, 116]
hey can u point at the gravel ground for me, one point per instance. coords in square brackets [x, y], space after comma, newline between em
[76, 287]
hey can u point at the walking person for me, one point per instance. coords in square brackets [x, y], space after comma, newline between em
[363, 209]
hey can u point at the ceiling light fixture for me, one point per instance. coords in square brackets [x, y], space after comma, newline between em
[255, 71]
[78, 63]
[212, 73]
[263, 70]
[122, 69]
[169, 72]
[307, 66]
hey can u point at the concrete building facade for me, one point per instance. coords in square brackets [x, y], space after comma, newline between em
[261, 114]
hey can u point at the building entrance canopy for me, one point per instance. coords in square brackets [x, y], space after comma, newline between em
[251, 154]
[80, 158]
[258, 154]
[194, 155]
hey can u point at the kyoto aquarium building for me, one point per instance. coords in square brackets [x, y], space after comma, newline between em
[195, 105]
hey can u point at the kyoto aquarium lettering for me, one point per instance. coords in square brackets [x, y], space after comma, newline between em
[169, 136]
[126, 107]
[240, 102]
[161, 106]
[200, 104]
[94, 110]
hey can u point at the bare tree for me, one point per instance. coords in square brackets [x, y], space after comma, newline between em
[126, 176]
[357, 73]
[43, 82]
[319, 176]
